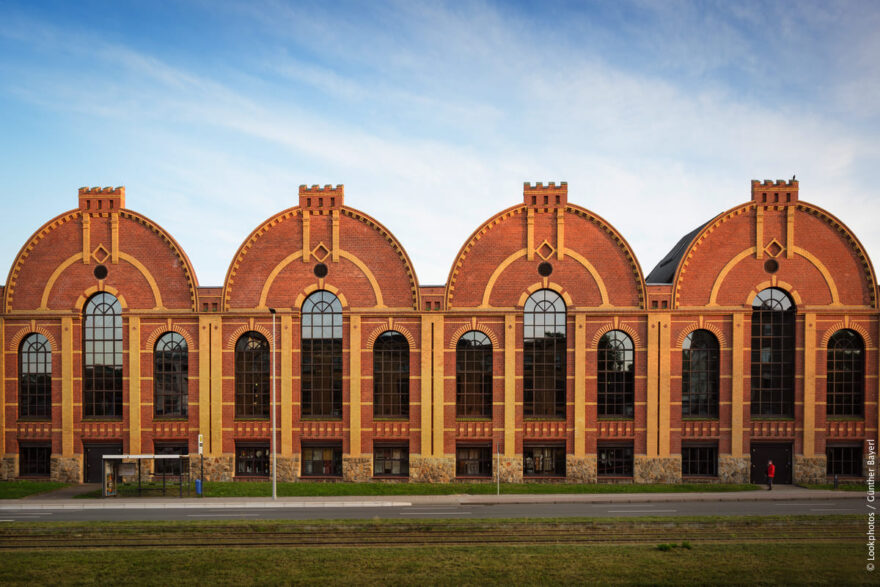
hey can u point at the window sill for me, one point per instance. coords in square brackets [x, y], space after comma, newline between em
[170, 418]
[391, 477]
[697, 478]
[473, 418]
[544, 418]
[390, 418]
[772, 418]
[252, 419]
[102, 419]
[844, 418]
[245, 478]
[475, 477]
[616, 418]
[320, 477]
[700, 419]
[544, 477]
[35, 419]
[321, 419]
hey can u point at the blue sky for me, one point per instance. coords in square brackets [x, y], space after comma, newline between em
[657, 114]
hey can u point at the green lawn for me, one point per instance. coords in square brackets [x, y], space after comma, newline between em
[741, 564]
[19, 489]
[309, 489]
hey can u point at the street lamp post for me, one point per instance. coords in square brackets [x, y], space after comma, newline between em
[272, 407]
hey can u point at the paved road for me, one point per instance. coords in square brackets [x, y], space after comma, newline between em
[400, 508]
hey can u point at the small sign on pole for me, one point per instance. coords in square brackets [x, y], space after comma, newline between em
[201, 443]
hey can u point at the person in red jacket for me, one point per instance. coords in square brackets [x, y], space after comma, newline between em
[771, 472]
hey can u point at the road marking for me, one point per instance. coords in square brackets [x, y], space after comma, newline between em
[832, 510]
[222, 515]
[638, 511]
[415, 513]
[792, 505]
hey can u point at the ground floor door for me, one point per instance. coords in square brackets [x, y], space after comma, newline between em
[779, 453]
[93, 459]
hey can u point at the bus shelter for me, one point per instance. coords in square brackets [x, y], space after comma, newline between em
[168, 473]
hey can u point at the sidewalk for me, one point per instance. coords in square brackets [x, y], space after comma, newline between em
[63, 499]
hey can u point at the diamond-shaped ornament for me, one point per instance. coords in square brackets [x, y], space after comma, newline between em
[320, 252]
[773, 248]
[100, 254]
[545, 251]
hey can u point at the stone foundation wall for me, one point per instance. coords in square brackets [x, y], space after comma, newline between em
[511, 469]
[431, 469]
[809, 469]
[734, 469]
[288, 469]
[9, 467]
[217, 468]
[67, 470]
[580, 469]
[656, 469]
[357, 468]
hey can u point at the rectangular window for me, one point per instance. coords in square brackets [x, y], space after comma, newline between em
[252, 460]
[322, 460]
[544, 461]
[391, 461]
[35, 459]
[473, 461]
[615, 460]
[699, 460]
[169, 466]
[844, 460]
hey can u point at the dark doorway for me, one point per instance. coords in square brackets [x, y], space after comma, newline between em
[93, 454]
[779, 453]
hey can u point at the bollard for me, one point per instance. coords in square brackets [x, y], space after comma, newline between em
[836, 481]
[198, 487]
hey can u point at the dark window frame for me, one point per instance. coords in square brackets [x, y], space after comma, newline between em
[545, 353]
[699, 459]
[252, 459]
[473, 375]
[391, 375]
[171, 376]
[845, 381]
[774, 316]
[844, 459]
[102, 370]
[384, 458]
[473, 460]
[615, 375]
[618, 460]
[700, 375]
[321, 356]
[326, 467]
[35, 377]
[252, 376]
[544, 460]
[34, 459]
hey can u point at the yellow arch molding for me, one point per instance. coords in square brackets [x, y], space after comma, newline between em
[154, 287]
[716, 287]
[344, 254]
[829, 281]
[603, 292]
[497, 273]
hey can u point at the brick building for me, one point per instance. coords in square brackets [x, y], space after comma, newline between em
[547, 354]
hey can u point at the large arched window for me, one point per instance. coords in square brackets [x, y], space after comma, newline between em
[473, 375]
[616, 375]
[322, 356]
[544, 349]
[35, 377]
[699, 375]
[102, 357]
[773, 319]
[252, 359]
[170, 376]
[846, 374]
[391, 376]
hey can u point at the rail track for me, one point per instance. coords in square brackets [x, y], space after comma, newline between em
[12, 538]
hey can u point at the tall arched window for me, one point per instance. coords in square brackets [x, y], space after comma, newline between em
[170, 376]
[473, 375]
[252, 359]
[391, 376]
[35, 377]
[699, 375]
[102, 357]
[322, 356]
[773, 319]
[846, 374]
[616, 375]
[544, 349]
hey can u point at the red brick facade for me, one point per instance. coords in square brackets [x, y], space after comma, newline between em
[544, 243]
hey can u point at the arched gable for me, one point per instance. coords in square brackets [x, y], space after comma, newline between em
[582, 252]
[776, 240]
[282, 256]
[58, 263]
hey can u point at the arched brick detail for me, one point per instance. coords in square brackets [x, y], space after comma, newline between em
[775, 283]
[493, 336]
[629, 330]
[722, 340]
[371, 340]
[545, 285]
[82, 299]
[158, 332]
[19, 336]
[236, 334]
[301, 298]
[829, 332]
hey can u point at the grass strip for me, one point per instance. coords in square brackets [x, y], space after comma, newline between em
[19, 489]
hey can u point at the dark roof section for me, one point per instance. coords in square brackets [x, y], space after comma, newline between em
[664, 272]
